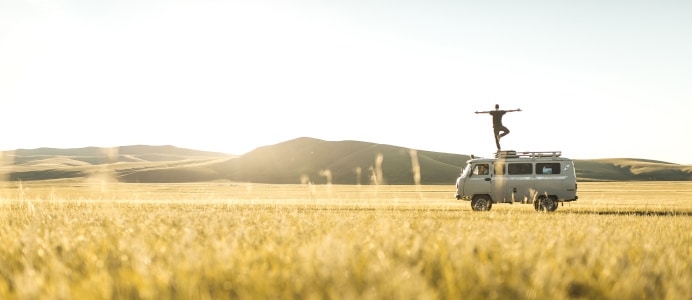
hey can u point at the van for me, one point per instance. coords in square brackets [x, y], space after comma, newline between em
[541, 178]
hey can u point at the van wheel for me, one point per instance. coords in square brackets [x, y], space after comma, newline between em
[481, 203]
[544, 203]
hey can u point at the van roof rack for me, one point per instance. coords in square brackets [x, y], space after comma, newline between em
[515, 154]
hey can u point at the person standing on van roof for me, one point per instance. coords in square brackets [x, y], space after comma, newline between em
[500, 130]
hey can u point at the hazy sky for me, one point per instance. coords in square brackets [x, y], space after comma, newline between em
[594, 79]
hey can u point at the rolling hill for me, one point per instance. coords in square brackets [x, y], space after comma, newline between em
[294, 161]
[342, 162]
[116, 163]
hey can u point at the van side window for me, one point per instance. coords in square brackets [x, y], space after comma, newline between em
[499, 168]
[548, 168]
[520, 169]
[481, 169]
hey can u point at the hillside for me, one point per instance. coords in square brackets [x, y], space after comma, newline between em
[624, 169]
[345, 162]
[116, 163]
[294, 161]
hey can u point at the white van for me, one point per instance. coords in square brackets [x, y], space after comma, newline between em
[542, 178]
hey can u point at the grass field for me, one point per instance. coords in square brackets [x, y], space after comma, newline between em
[97, 240]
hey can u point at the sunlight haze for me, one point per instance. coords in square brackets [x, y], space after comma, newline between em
[595, 79]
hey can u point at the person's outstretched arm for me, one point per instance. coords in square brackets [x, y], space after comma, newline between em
[482, 112]
[518, 109]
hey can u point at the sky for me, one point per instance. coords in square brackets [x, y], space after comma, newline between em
[594, 79]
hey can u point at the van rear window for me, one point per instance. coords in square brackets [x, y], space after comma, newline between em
[548, 168]
[520, 169]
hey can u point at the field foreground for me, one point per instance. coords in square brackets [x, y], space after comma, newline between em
[81, 240]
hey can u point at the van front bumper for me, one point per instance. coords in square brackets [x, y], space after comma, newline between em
[461, 197]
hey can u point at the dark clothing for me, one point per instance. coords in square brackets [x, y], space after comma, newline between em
[499, 129]
[498, 135]
[497, 117]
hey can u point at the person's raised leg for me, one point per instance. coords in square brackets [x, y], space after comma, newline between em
[504, 130]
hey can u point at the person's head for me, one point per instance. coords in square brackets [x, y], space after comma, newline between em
[497, 106]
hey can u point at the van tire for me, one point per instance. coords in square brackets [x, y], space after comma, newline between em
[545, 203]
[481, 203]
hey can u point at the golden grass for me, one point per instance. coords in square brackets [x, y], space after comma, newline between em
[100, 240]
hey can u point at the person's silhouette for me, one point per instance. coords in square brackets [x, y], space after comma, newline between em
[499, 129]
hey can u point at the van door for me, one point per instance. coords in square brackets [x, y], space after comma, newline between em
[479, 180]
[520, 187]
[499, 181]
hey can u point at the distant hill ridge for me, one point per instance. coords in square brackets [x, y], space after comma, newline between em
[299, 160]
[97, 154]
